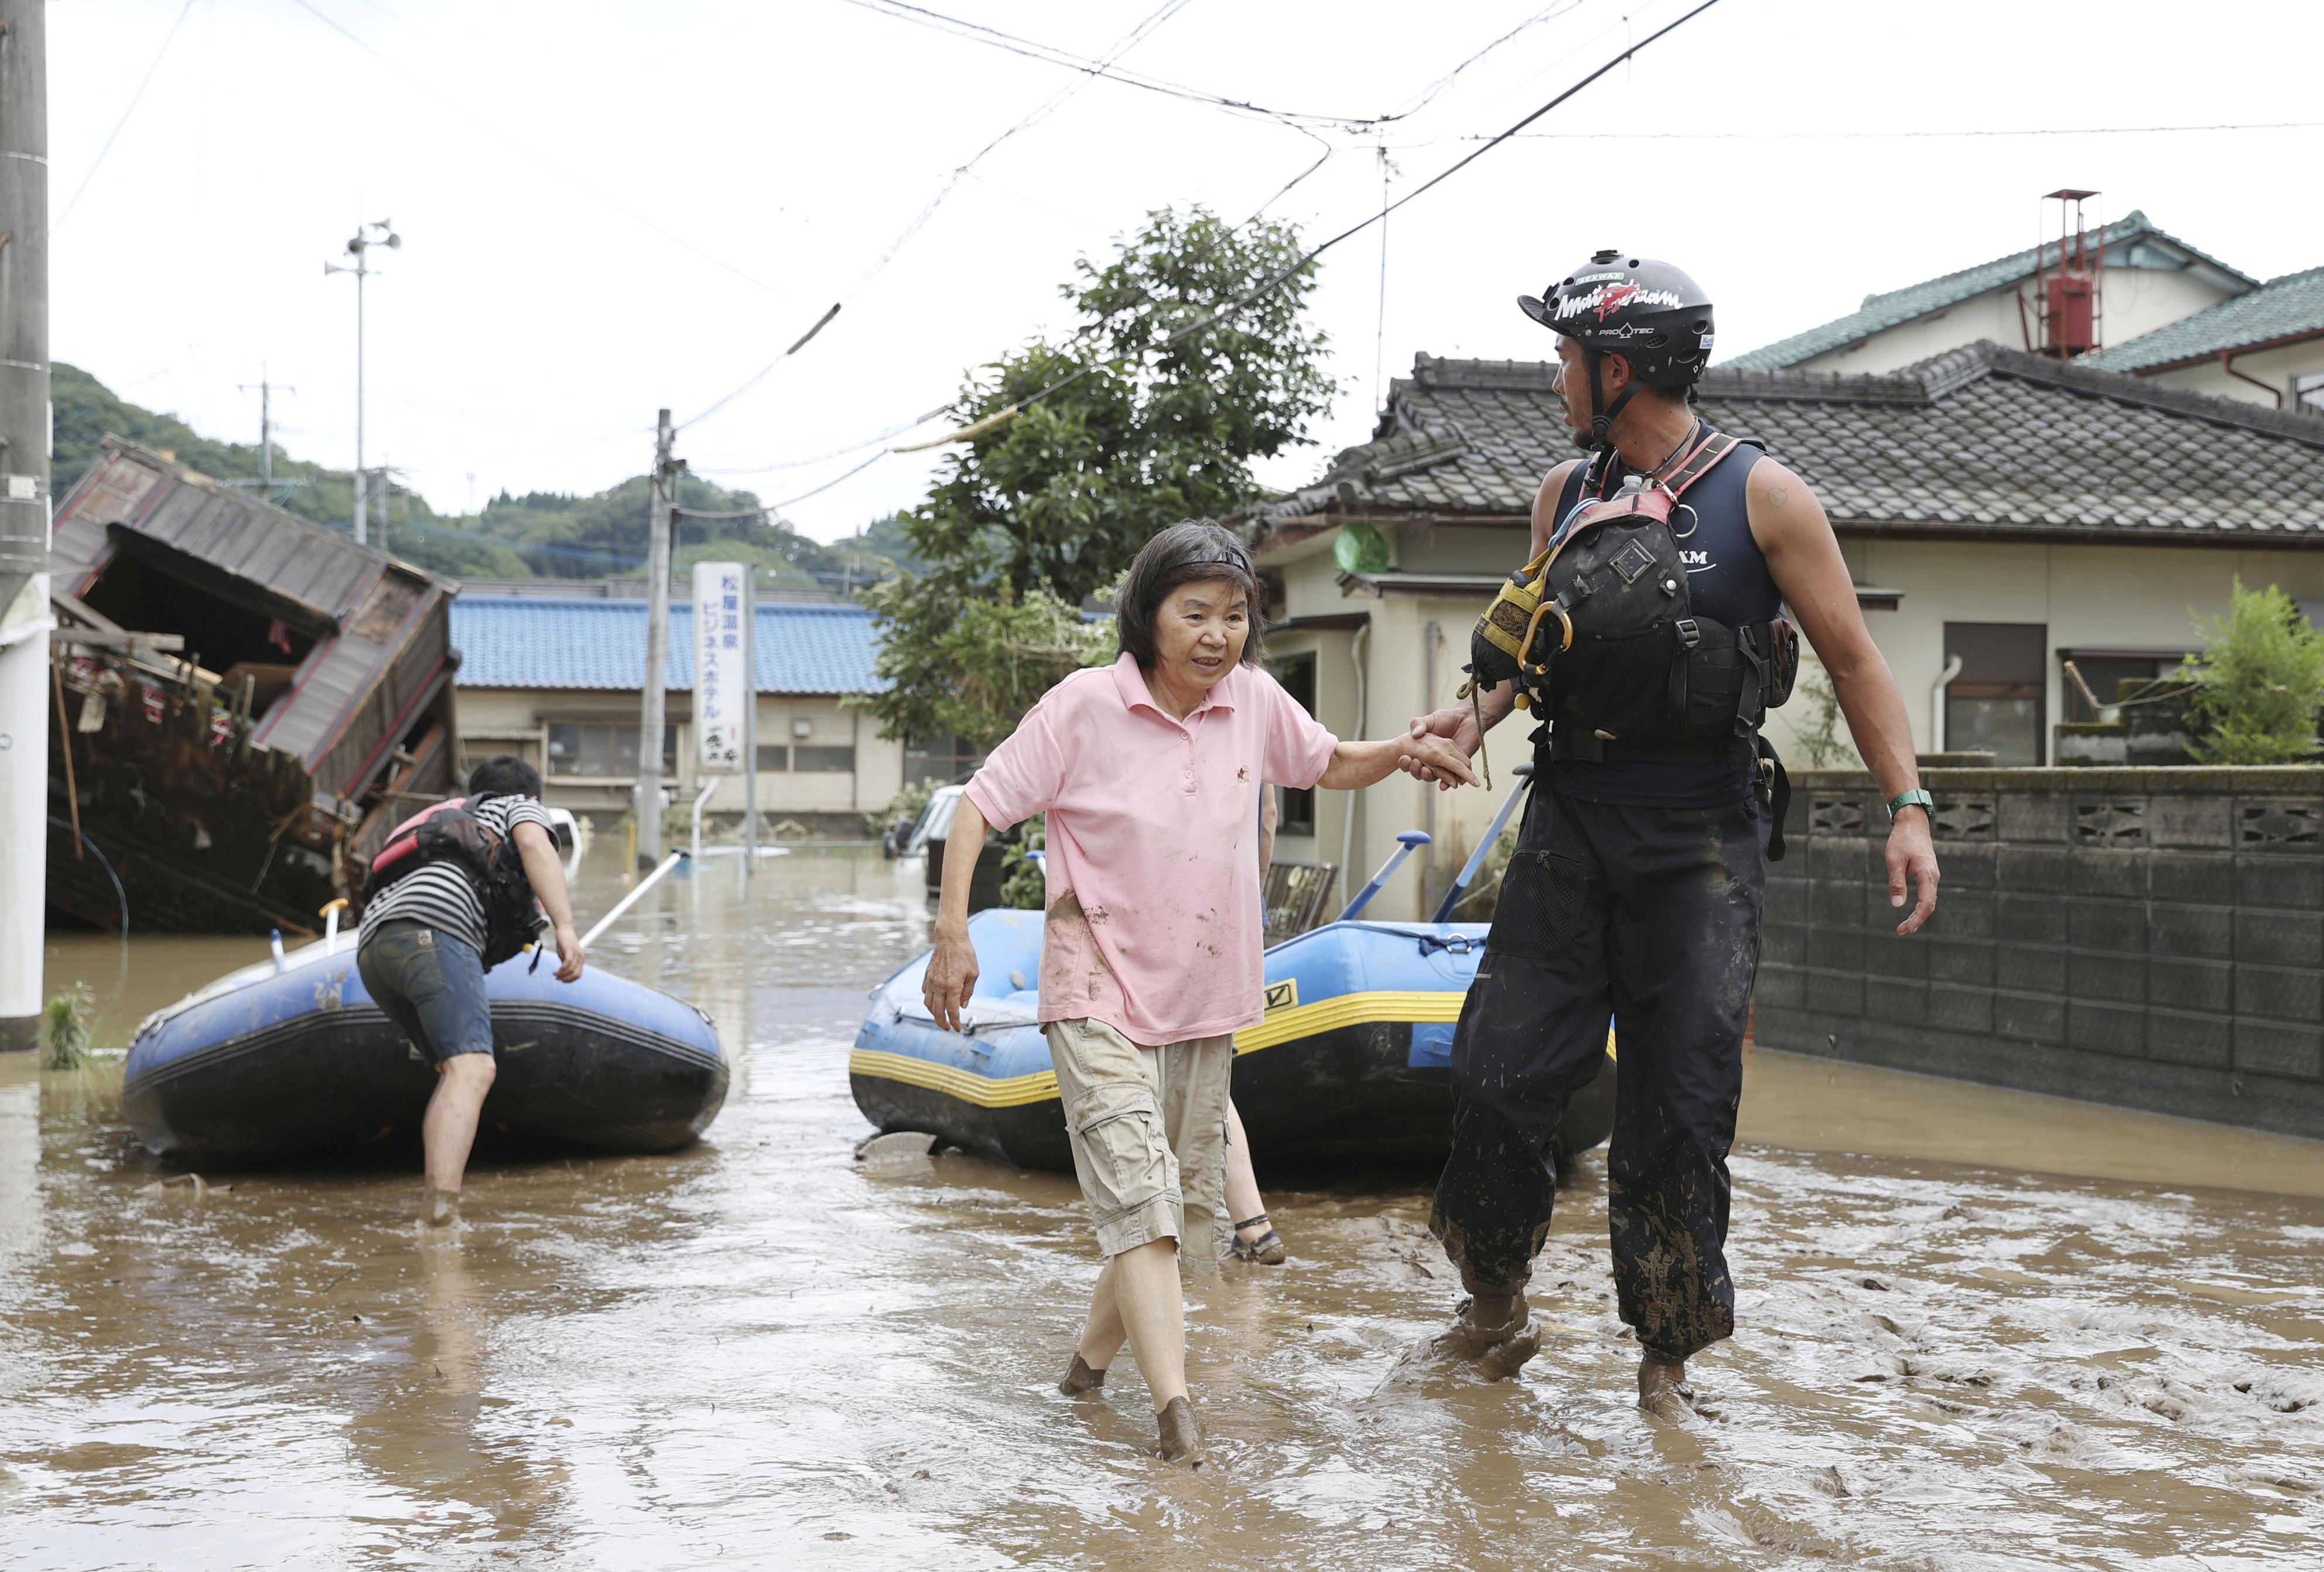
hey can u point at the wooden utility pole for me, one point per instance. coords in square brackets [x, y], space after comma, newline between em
[661, 506]
[25, 618]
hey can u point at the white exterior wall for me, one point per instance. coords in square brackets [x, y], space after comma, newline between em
[2085, 596]
[2276, 367]
[1398, 685]
[2135, 300]
[497, 720]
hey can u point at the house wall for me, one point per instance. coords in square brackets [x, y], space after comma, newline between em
[2276, 367]
[2085, 596]
[2136, 300]
[1402, 678]
[494, 720]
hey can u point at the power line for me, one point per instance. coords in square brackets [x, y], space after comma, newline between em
[123, 123]
[1136, 35]
[1009, 42]
[1895, 135]
[320, 16]
[1010, 411]
[760, 375]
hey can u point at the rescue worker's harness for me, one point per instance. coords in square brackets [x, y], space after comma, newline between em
[1599, 635]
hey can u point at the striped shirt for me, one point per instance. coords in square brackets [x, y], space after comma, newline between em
[439, 893]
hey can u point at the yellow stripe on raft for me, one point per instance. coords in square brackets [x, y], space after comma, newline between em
[984, 1091]
[1300, 1020]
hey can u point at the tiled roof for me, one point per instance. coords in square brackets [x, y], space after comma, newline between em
[2291, 307]
[1979, 440]
[1881, 312]
[508, 641]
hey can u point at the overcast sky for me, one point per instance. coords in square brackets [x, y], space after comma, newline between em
[610, 206]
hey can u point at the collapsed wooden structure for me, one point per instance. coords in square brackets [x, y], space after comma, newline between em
[247, 703]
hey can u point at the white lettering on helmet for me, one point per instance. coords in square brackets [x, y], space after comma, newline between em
[1609, 298]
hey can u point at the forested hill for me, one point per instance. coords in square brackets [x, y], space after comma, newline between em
[541, 534]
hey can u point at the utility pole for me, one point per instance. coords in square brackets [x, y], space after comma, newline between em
[750, 720]
[24, 619]
[366, 235]
[266, 416]
[660, 510]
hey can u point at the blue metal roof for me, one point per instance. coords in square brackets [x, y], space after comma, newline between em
[512, 641]
[1896, 307]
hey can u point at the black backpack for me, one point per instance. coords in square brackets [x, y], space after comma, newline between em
[450, 831]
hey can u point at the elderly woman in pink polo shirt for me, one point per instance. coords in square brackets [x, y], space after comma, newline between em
[1149, 771]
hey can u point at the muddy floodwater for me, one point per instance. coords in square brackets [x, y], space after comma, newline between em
[1978, 1330]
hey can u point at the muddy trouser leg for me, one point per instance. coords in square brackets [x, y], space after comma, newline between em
[1683, 951]
[1532, 1033]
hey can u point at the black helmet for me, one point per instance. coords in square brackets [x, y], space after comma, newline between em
[1649, 312]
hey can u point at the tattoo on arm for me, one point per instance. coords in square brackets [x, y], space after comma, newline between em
[1777, 496]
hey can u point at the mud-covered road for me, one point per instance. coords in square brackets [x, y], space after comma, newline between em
[763, 1351]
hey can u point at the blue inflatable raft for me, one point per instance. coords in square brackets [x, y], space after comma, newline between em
[1352, 1063]
[292, 1057]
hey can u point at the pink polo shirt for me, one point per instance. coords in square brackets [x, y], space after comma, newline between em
[1154, 827]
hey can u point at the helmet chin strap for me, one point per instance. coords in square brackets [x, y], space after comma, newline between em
[1600, 437]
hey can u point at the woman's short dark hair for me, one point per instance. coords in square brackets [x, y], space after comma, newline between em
[1198, 549]
[504, 775]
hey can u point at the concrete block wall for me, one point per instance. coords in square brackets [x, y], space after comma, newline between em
[2152, 938]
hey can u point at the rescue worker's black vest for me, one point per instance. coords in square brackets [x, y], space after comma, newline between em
[1678, 649]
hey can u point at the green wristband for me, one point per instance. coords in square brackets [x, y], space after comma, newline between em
[1916, 797]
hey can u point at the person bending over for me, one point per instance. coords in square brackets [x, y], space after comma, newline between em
[1641, 867]
[421, 953]
[1149, 771]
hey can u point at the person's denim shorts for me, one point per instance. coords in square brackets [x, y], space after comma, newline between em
[432, 986]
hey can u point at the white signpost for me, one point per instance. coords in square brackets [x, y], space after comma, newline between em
[722, 684]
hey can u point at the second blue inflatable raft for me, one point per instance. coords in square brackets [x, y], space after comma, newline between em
[1352, 1063]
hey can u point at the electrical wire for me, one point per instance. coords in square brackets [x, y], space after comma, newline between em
[123, 123]
[1308, 258]
[889, 435]
[1049, 106]
[993, 38]
[1009, 412]
[1049, 55]
[318, 15]
[1896, 135]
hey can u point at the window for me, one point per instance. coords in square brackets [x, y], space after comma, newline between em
[945, 759]
[608, 750]
[2105, 671]
[823, 761]
[1297, 675]
[2308, 392]
[1995, 704]
[773, 759]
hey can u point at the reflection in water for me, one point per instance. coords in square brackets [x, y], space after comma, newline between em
[760, 1351]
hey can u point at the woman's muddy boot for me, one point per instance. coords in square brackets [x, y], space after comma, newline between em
[1663, 1391]
[1081, 1379]
[1182, 1437]
[1489, 1339]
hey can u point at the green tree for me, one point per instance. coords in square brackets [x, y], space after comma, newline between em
[1026, 522]
[2259, 682]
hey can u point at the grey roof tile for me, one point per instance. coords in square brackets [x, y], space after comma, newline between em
[1896, 307]
[2290, 306]
[1980, 439]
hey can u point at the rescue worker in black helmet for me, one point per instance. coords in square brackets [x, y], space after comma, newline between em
[1680, 557]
